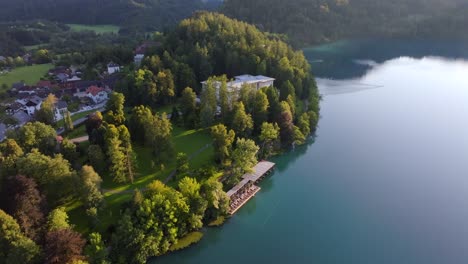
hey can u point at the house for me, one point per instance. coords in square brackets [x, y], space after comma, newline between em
[60, 108]
[44, 84]
[138, 59]
[62, 77]
[18, 85]
[113, 68]
[234, 86]
[13, 108]
[74, 79]
[97, 94]
[31, 104]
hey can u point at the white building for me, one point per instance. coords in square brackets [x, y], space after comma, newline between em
[234, 86]
[138, 59]
[113, 68]
[31, 104]
[97, 94]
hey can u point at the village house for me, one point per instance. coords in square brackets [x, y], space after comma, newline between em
[97, 94]
[60, 108]
[30, 104]
[113, 68]
[234, 86]
[138, 59]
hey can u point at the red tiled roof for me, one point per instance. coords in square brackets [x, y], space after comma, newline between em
[44, 84]
[94, 90]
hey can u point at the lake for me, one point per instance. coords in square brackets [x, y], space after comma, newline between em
[386, 178]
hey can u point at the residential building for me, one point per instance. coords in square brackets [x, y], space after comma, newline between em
[138, 59]
[97, 94]
[60, 108]
[113, 68]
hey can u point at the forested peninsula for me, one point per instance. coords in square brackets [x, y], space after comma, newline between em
[153, 167]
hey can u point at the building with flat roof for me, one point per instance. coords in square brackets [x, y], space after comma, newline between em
[256, 82]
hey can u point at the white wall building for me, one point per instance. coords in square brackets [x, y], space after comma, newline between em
[113, 68]
[234, 86]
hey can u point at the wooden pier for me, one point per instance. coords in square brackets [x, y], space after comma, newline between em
[246, 189]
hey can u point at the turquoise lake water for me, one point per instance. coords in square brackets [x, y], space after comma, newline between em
[386, 180]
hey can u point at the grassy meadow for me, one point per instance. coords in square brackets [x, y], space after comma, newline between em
[99, 29]
[29, 74]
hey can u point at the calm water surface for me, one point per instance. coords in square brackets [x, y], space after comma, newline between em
[386, 180]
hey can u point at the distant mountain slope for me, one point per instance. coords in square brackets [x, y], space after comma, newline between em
[143, 14]
[313, 21]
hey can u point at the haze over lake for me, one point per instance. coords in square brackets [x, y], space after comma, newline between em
[386, 180]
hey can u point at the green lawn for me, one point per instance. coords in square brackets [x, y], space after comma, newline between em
[77, 132]
[29, 74]
[75, 117]
[187, 141]
[99, 29]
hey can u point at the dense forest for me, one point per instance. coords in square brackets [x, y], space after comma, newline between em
[315, 21]
[144, 15]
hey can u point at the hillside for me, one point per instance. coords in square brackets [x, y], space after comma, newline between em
[135, 14]
[314, 21]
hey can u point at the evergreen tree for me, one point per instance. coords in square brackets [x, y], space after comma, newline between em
[188, 106]
[67, 121]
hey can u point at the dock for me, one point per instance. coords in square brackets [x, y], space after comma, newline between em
[246, 188]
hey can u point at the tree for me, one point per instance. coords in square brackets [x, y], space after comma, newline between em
[68, 122]
[260, 109]
[208, 103]
[93, 124]
[10, 151]
[53, 175]
[175, 115]
[42, 56]
[222, 142]
[96, 158]
[96, 250]
[57, 220]
[116, 159]
[91, 185]
[63, 246]
[188, 106]
[68, 150]
[15, 247]
[304, 124]
[115, 109]
[190, 189]
[26, 204]
[46, 114]
[224, 98]
[242, 123]
[130, 158]
[140, 119]
[182, 164]
[217, 200]
[165, 82]
[158, 135]
[269, 136]
[285, 122]
[36, 135]
[244, 158]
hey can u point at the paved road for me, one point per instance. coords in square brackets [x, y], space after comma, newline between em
[79, 121]
[80, 139]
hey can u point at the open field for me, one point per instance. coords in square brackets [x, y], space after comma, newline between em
[29, 74]
[187, 141]
[99, 29]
